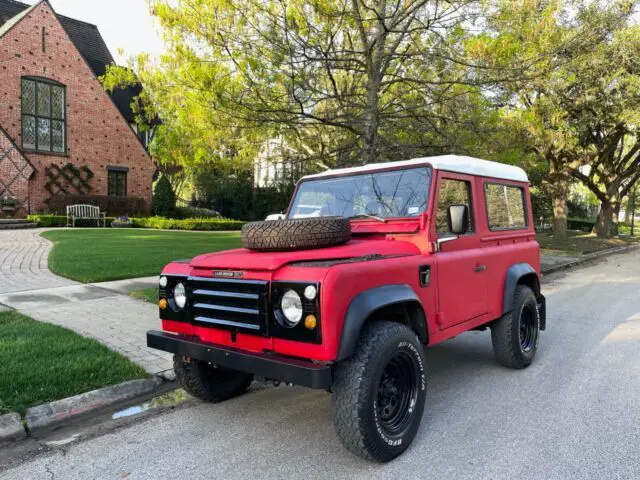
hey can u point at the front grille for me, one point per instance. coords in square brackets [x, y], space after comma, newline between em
[237, 305]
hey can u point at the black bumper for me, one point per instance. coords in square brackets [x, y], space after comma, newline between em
[275, 367]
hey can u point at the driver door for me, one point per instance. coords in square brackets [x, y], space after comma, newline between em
[462, 290]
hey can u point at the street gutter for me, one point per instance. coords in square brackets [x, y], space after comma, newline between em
[52, 415]
[588, 258]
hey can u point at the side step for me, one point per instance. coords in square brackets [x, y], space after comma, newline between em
[16, 224]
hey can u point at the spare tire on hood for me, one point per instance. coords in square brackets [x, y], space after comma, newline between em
[297, 233]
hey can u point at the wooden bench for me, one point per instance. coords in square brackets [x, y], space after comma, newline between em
[85, 212]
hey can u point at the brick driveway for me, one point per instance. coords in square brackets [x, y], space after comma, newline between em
[102, 311]
[23, 262]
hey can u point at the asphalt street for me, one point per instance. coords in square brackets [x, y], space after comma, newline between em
[575, 413]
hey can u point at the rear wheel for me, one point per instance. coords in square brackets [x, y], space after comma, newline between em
[516, 334]
[379, 393]
[208, 382]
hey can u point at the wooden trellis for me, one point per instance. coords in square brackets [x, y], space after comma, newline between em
[68, 179]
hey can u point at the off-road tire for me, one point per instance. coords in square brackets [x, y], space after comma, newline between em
[356, 392]
[505, 332]
[298, 233]
[208, 383]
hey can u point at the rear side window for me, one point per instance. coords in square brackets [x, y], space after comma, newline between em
[452, 192]
[505, 206]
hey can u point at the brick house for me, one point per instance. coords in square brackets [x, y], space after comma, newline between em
[60, 132]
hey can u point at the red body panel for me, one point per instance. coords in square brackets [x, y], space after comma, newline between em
[467, 275]
[242, 259]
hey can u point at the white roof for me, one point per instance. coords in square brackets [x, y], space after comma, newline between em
[450, 163]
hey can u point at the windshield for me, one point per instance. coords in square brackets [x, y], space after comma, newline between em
[390, 194]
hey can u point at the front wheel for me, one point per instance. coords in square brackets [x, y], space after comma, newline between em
[379, 393]
[516, 334]
[208, 382]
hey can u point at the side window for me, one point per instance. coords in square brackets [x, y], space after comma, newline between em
[505, 206]
[452, 192]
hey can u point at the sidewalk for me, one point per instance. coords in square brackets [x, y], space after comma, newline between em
[102, 311]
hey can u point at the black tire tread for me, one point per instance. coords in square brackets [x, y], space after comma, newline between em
[348, 395]
[280, 235]
[197, 380]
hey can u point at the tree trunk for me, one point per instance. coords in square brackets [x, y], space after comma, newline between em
[559, 192]
[627, 211]
[615, 226]
[604, 222]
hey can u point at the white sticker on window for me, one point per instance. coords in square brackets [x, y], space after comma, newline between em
[413, 210]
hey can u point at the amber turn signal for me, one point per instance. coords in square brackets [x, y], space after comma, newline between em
[310, 322]
[163, 303]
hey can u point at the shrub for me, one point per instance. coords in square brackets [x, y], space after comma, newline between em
[50, 221]
[158, 223]
[196, 212]
[203, 224]
[583, 224]
[164, 200]
[114, 206]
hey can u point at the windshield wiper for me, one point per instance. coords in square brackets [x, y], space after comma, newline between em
[366, 215]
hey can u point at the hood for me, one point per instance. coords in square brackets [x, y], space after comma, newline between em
[243, 259]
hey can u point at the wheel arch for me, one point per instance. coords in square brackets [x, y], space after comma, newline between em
[519, 274]
[396, 303]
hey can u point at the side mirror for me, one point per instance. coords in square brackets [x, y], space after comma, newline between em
[275, 216]
[458, 219]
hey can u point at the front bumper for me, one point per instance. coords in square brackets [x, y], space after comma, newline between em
[271, 366]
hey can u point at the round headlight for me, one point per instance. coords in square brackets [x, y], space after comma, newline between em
[291, 306]
[310, 292]
[163, 282]
[180, 295]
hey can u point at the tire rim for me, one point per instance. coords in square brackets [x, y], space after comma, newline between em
[397, 393]
[528, 330]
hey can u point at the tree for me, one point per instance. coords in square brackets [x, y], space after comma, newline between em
[342, 81]
[582, 118]
[163, 203]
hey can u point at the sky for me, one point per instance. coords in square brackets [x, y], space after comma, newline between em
[125, 24]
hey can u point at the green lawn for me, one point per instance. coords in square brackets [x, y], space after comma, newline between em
[147, 294]
[43, 362]
[579, 243]
[96, 255]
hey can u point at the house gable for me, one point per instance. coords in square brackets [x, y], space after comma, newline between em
[97, 133]
[89, 42]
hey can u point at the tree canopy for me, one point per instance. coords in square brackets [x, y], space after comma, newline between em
[347, 82]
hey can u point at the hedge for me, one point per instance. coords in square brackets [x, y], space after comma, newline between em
[208, 224]
[583, 224]
[114, 206]
[159, 223]
[61, 221]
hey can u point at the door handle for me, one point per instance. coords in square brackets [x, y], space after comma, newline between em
[479, 268]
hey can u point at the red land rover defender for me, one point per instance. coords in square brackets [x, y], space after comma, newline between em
[370, 265]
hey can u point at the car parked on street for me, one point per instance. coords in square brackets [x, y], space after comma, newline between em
[399, 256]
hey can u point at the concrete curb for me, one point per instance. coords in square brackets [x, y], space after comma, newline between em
[49, 415]
[11, 428]
[588, 258]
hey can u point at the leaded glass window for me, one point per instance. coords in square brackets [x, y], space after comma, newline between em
[117, 183]
[44, 123]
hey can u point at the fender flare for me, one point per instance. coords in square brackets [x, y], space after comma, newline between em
[363, 305]
[514, 274]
